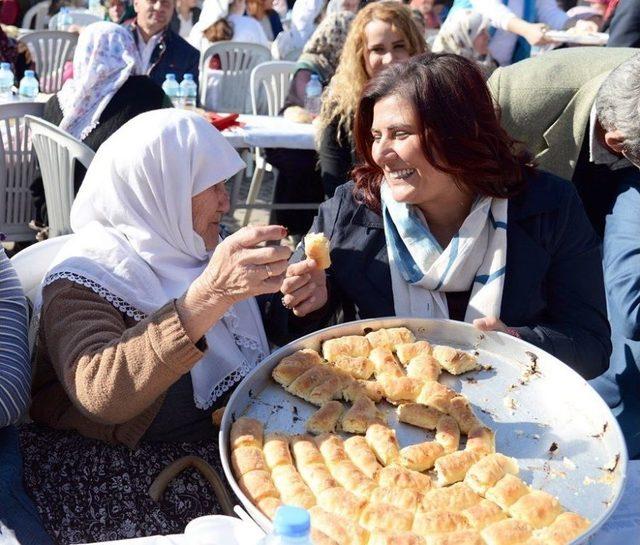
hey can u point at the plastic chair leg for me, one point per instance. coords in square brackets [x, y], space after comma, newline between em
[254, 189]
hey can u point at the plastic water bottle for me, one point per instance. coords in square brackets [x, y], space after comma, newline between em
[171, 88]
[29, 88]
[64, 19]
[188, 91]
[6, 80]
[313, 94]
[291, 526]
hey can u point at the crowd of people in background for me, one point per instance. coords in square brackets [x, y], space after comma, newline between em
[440, 120]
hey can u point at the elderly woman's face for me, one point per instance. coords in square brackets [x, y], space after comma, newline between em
[383, 45]
[207, 209]
[397, 150]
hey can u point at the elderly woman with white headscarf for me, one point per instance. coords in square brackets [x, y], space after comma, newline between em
[148, 319]
[466, 32]
[105, 92]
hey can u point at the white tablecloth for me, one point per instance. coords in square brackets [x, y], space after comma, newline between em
[270, 132]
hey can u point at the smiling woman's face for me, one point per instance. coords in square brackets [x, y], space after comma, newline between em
[383, 45]
[207, 209]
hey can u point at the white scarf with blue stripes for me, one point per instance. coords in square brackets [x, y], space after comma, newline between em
[422, 272]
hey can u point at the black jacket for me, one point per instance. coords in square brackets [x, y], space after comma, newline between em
[624, 30]
[553, 292]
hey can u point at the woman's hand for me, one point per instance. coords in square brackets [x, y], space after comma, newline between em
[304, 288]
[534, 33]
[494, 324]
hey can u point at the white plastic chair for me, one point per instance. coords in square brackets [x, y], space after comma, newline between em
[50, 49]
[78, 17]
[39, 13]
[17, 169]
[32, 263]
[237, 59]
[57, 153]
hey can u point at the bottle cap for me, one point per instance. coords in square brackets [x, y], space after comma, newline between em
[5, 66]
[170, 77]
[188, 77]
[292, 521]
[29, 74]
[315, 77]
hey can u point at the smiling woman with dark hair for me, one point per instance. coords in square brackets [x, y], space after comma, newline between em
[447, 219]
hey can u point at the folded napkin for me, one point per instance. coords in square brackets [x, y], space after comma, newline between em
[223, 121]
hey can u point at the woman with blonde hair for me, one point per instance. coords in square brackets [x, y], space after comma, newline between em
[382, 33]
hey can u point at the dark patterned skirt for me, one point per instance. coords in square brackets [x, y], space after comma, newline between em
[86, 490]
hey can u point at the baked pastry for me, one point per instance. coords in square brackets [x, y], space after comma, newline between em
[406, 499]
[317, 385]
[316, 246]
[269, 506]
[407, 351]
[385, 518]
[291, 367]
[247, 458]
[460, 409]
[507, 491]
[342, 502]
[385, 363]
[325, 419]
[483, 514]
[439, 522]
[400, 389]
[318, 537]
[361, 415]
[421, 456]
[305, 451]
[418, 415]
[351, 478]
[331, 447]
[564, 529]
[338, 528]
[436, 395]
[453, 467]
[330, 388]
[258, 485]
[396, 476]
[425, 367]
[360, 453]
[481, 439]
[462, 537]
[358, 367]
[276, 450]
[318, 477]
[456, 497]
[383, 442]
[405, 538]
[292, 488]
[350, 345]
[507, 532]
[455, 361]
[448, 433]
[488, 471]
[537, 508]
[246, 432]
[359, 388]
[390, 337]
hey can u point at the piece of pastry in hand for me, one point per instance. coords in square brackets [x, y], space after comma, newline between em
[317, 477]
[360, 453]
[439, 522]
[418, 415]
[291, 367]
[407, 351]
[246, 432]
[258, 485]
[453, 467]
[436, 395]
[484, 514]
[395, 476]
[338, 528]
[305, 452]
[481, 439]
[342, 502]
[564, 529]
[359, 367]
[537, 508]
[406, 499]
[269, 506]
[316, 247]
[425, 367]
[507, 491]
[456, 497]
[361, 415]
[488, 471]
[448, 433]
[298, 114]
[462, 537]
[385, 518]
[383, 442]
[354, 346]
[390, 337]
[455, 361]
[421, 456]
[359, 388]
[385, 363]
[507, 532]
[460, 409]
[276, 450]
[293, 490]
[405, 538]
[324, 420]
[247, 458]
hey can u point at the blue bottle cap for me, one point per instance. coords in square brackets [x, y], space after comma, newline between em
[29, 74]
[5, 66]
[188, 77]
[292, 521]
[170, 77]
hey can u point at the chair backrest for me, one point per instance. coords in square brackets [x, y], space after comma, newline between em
[237, 59]
[274, 78]
[32, 263]
[50, 49]
[78, 17]
[57, 153]
[39, 13]
[17, 169]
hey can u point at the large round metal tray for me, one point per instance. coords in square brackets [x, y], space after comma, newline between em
[544, 414]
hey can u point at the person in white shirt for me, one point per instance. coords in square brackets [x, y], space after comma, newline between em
[186, 15]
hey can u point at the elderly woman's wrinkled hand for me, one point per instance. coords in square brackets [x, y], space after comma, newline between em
[305, 288]
[239, 269]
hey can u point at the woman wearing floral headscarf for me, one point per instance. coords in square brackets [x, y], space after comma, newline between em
[104, 93]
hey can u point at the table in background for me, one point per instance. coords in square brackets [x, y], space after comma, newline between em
[263, 131]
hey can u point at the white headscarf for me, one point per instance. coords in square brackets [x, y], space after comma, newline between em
[459, 31]
[134, 241]
[212, 12]
[105, 57]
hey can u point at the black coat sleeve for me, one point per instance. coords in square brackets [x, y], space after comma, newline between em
[624, 30]
[336, 158]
